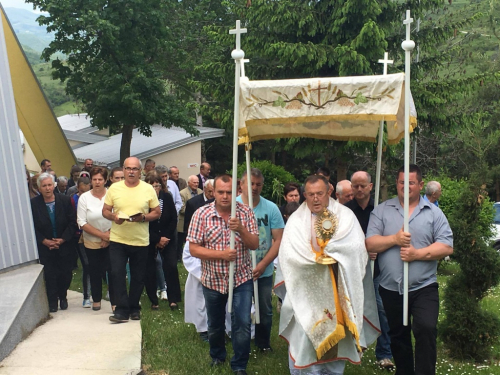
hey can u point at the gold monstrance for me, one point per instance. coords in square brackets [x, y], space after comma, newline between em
[325, 227]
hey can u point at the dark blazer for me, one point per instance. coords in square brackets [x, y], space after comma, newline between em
[65, 224]
[191, 206]
[166, 225]
[200, 181]
[182, 184]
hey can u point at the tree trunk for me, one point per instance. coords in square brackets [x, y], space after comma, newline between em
[384, 195]
[284, 156]
[341, 168]
[199, 122]
[126, 142]
[497, 189]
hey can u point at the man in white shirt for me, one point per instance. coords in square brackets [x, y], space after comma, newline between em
[172, 187]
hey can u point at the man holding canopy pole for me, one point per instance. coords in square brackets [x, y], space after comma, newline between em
[429, 239]
[209, 239]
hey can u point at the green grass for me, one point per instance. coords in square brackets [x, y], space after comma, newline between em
[172, 347]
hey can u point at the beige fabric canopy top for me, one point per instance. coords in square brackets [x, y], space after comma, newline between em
[342, 108]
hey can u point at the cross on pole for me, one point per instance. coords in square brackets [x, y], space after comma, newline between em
[319, 92]
[385, 61]
[407, 22]
[238, 31]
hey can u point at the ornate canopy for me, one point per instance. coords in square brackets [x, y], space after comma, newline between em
[342, 108]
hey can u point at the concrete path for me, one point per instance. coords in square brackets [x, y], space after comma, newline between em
[78, 341]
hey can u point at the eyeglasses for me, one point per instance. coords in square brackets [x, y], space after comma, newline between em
[359, 187]
[156, 186]
[319, 194]
[128, 169]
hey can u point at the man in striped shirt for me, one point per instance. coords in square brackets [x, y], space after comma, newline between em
[209, 236]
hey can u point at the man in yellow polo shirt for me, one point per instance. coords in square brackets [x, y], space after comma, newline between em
[130, 204]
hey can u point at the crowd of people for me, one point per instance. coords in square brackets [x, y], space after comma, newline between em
[134, 224]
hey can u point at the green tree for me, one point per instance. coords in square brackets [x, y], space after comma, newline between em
[297, 39]
[468, 330]
[273, 175]
[114, 64]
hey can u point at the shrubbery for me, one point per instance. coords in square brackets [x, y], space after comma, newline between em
[468, 330]
[270, 172]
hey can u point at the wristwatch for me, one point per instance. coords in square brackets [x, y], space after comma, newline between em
[143, 218]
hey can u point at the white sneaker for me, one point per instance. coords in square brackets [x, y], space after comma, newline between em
[163, 296]
[86, 304]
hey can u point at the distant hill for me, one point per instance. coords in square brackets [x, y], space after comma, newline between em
[27, 29]
[32, 55]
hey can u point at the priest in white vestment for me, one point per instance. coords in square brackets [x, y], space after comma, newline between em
[329, 314]
[195, 311]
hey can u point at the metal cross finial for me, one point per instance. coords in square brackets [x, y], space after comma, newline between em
[408, 22]
[238, 31]
[242, 62]
[385, 61]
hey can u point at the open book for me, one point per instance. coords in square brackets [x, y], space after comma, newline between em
[124, 216]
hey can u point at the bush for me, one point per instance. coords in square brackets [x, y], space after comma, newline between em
[452, 191]
[467, 330]
[270, 173]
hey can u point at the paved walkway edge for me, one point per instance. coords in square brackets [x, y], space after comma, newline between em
[78, 341]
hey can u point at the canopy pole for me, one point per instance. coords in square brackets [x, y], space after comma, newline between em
[253, 252]
[379, 162]
[408, 45]
[238, 55]
[384, 61]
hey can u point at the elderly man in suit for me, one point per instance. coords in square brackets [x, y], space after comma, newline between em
[189, 192]
[200, 200]
[204, 174]
[173, 174]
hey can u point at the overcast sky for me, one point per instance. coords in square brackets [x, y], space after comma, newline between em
[17, 4]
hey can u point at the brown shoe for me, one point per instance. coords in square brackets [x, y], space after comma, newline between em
[386, 364]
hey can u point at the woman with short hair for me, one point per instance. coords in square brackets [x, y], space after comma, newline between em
[161, 233]
[55, 225]
[74, 174]
[95, 233]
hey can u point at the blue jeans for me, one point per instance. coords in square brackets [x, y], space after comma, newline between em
[215, 303]
[160, 277]
[263, 330]
[383, 348]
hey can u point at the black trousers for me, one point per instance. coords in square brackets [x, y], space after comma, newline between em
[137, 257]
[58, 273]
[98, 265]
[169, 260]
[80, 249]
[150, 279]
[423, 310]
[181, 239]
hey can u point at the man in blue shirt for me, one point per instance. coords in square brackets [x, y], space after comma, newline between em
[270, 223]
[428, 240]
[433, 192]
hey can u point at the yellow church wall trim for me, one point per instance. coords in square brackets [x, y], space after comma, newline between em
[36, 119]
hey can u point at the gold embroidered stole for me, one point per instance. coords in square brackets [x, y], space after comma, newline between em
[328, 347]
